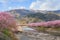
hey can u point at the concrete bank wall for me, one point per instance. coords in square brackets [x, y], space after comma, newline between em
[37, 36]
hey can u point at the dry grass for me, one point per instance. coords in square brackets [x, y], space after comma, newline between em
[49, 29]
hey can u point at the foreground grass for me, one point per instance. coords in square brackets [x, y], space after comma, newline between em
[9, 34]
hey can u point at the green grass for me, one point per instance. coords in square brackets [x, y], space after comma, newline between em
[58, 29]
[9, 34]
[41, 28]
[46, 28]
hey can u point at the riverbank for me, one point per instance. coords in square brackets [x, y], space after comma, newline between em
[36, 36]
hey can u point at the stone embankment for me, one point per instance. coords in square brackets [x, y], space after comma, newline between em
[36, 36]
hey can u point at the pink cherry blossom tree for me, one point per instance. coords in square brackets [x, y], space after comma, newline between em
[7, 25]
[7, 21]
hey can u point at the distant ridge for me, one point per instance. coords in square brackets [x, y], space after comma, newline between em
[36, 14]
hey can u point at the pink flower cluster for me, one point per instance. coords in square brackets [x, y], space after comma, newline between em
[55, 23]
[7, 20]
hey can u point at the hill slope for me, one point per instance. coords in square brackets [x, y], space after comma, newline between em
[35, 15]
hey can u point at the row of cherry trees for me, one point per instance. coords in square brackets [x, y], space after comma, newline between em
[55, 23]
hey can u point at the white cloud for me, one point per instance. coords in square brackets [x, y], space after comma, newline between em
[3, 1]
[22, 7]
[6, 1]
[45, 5]
[35, 5]
[18, 0]
[6, 6]
[10, 8]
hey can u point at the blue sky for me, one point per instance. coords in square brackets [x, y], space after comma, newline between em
[30, 4]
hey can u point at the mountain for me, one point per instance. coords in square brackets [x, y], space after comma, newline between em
[45, 17]
[21, 11]
[25, 11]
[56, 11]
[35, 15]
